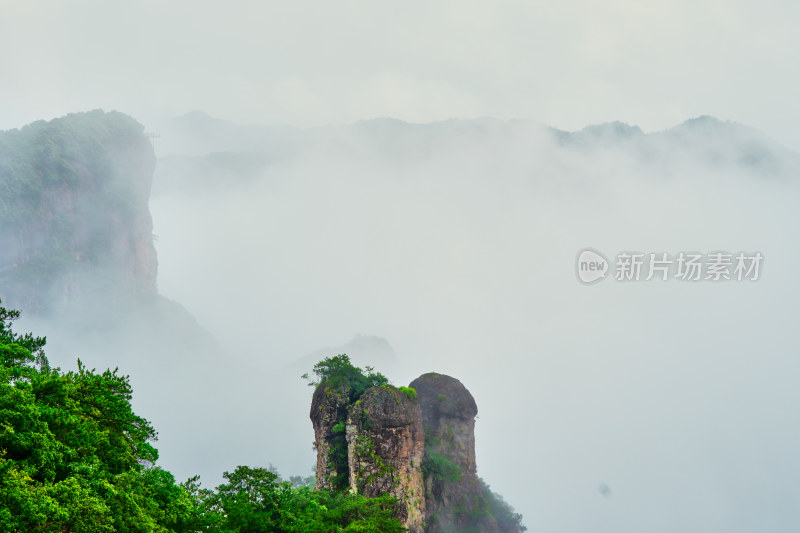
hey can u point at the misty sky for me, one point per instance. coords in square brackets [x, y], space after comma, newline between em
[461, 254]
[566, 64]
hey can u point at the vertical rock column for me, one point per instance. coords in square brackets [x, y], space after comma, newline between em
[328, 409]
[452, 490]
[385, 451]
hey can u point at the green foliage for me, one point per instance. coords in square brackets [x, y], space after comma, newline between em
[62, 152]
[430, 439]
[337, 457]
[487, 507]
[74, 457]
[439, 467]
[18, 353]
[73, 454]
[501, 511]
[339, 376]
[66, 186]
[366, 423]
[410, 392]
[337, 372]
[255, 500]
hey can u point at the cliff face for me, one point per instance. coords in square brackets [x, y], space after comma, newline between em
[328, 411]
[448, 415]
[385, 447]
[416, 445]
[74, 220]
[372, 446]
[454, 495]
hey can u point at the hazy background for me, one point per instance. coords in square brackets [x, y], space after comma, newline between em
[450, 247]
[457, 243]
[310, 63]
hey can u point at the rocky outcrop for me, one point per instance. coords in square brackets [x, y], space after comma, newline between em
[448, 415]
[415, 444]
[329, 407]
[385, 446]
[74, 222]
[455, 498]
[372, 446]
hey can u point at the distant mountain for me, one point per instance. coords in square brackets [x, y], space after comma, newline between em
[76, 240]
[77, 258]
[197, 133]
[75, 216]
[200, 151]
[715, 142]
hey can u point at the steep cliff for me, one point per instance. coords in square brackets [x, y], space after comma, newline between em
[74, 217]
[370, 443]
[385, 447]
[457, 500]
[451, 483]
[329, 408]
[448, 415]
[415, 444]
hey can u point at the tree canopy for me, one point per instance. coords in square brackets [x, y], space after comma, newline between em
[74, 457]
[338, 371]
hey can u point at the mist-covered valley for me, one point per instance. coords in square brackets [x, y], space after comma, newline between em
[451, 247]
[457, 242]
[561, 233]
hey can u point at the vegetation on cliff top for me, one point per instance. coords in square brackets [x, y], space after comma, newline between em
[338, 372]
[339, 375]
[410, 392]
[72, 189]
[75, 457]
[474, 507]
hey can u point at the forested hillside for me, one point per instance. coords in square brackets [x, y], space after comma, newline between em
[75, 457]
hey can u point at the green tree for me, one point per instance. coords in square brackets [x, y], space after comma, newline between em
[73, 454]
[337, 372]
[339, 376]
[74, 457]
[255, 500]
